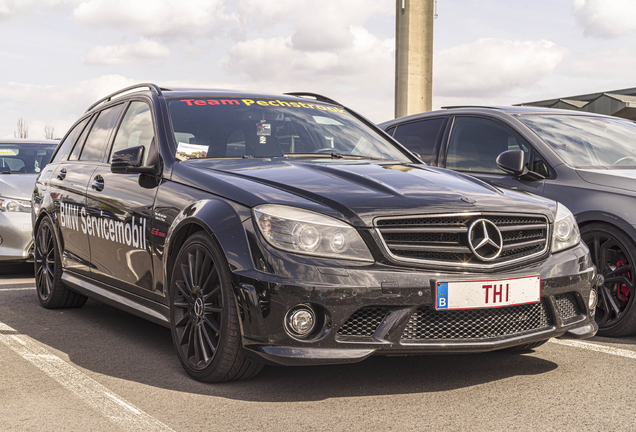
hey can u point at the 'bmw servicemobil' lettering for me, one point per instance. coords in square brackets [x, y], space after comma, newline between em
[129, 233]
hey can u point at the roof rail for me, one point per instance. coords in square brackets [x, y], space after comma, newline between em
[318, 97]
[153, 87]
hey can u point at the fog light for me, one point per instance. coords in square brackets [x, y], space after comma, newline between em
[593, 299]
[301, 321]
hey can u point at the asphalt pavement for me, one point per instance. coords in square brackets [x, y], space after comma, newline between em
[99, 369]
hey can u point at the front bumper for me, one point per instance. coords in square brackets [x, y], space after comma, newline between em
[16, 236]
[339, 292]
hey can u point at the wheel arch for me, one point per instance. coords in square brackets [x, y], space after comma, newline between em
[222, 221]
[587, 218]
[56, 229]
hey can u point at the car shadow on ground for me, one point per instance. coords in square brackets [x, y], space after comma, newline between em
[107, 341]
[13, 270]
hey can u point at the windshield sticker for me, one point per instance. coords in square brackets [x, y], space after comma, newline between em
[131, 233]
[8, 151]
[327, 121]
[263, 129]
[191, 151]
[264, 103]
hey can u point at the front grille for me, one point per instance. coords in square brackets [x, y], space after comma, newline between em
[567, 307]
[364, 322]
[444, 240]
[475, 324]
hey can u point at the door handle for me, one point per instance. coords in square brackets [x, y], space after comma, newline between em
[62, 174]
[98, 183]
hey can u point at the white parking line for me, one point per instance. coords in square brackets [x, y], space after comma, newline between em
[17, 289]
[120, 412]
[595, 347]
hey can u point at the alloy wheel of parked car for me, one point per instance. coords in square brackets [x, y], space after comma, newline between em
[614, 255]
[203, 319]
[48, 271]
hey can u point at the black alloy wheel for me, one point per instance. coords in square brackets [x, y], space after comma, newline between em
[48, 271]
[203, 315]
[614, 254]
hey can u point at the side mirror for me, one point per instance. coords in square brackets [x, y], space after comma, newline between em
[512, 162]
[129, 160]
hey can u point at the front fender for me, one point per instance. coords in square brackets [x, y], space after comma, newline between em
[222, 220]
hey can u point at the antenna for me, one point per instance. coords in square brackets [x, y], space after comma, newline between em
[435, 13]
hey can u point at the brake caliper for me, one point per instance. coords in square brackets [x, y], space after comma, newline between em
[622, 291]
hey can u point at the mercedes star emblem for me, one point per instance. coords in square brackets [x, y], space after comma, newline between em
[484, 239]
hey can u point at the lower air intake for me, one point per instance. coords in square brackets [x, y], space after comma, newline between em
[475, 324]
[364, 322]
[567, 307]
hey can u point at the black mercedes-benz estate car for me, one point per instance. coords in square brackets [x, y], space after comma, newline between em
[290, 230]
[585, 161]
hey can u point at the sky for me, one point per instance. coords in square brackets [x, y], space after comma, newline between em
[57, 57]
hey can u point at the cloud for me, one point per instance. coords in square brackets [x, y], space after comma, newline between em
[363, 70]
[126, 53]
[318, 26]
[490, 67]
[605, 18]
[59, 106]
[13, 8]
[167, 18]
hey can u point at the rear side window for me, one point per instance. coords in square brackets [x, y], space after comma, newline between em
[99, 134]
[421, 137]
[79, 144]
[136, 129]
[67, 144]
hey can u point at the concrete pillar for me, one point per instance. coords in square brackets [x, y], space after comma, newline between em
[413, 57]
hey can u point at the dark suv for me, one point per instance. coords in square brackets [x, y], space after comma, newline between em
[290, 230]
[583, 160]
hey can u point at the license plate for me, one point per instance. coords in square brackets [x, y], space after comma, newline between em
[487, 293]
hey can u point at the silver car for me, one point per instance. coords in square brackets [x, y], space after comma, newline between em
[21, 161]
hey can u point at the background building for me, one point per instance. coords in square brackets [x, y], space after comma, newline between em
[618, 103]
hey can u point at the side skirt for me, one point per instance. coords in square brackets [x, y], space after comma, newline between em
[131, 303]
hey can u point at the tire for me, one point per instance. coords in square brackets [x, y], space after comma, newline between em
[203, 315]
[526, 347]
[48, 271]
[614, 254]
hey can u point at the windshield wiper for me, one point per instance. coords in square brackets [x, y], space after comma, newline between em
[6, 172]
[330, 156]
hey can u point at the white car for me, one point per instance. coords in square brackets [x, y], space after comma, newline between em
[21, 161]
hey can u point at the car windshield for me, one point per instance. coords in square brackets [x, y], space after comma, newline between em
[24, 158]
[588, 142]
[217, 128]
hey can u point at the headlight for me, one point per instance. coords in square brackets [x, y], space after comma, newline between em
[566, 232]
[305, 232]
[15, 205]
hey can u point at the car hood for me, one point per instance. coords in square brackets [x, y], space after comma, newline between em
[620, 179]
[18, 186]
[360, 191]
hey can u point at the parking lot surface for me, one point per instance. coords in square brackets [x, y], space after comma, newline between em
[97, 368]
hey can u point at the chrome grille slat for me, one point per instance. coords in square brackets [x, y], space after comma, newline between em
[425, 230]
[523, 244]
[505, 228]
[442, 240]
[434, 248]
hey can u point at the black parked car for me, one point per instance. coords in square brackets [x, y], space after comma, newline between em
[585, 161]
[288, 230]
